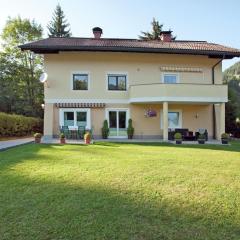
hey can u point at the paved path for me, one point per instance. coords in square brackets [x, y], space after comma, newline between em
[13, 143]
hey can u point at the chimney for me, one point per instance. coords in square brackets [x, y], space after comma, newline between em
[166, 36]
[97, 32]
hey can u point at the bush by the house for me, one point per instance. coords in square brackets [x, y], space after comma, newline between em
[18, 125]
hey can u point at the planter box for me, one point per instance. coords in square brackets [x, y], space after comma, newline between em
[62, 140]
[201, 141]
[37, 140]
[225, 141]
[178, 141]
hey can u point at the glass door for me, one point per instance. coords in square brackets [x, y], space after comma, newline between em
[117, 123]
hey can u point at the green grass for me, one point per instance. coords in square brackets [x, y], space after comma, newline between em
[120, 191]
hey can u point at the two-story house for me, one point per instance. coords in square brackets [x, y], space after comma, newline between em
[161, 85]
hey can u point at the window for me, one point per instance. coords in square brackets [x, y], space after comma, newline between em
[174, 119]
[117, 82]
[170, 78]
[74, 117]
[80, 82]
[68, 118]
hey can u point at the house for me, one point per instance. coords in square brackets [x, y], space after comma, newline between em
[161, 85]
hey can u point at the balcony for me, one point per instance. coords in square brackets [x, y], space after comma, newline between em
[179, 92]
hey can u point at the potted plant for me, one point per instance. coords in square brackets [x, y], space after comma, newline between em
[225, 138]
[62, 138]
[130, 129]
[37, 137]
[178, 138]
[201, 139]
[87, 138]
[105, 130]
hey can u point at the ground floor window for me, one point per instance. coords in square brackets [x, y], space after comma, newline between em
[117, 121]
[174, 119]
[74, 117]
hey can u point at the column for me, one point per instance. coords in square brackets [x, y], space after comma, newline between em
[165, 121]
[48, 120]
[221, 127]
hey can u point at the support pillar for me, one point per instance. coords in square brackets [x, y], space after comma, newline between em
[165, 121]
[221, 125]
[48, 120]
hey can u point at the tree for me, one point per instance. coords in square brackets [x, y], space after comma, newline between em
[20, 89]
[155, 33]
[59, 27]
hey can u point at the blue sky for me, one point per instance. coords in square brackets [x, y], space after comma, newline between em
[211, 20]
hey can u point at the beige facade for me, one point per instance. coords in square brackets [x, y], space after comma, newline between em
[192, 97]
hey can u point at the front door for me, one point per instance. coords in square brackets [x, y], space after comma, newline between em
[117, 120]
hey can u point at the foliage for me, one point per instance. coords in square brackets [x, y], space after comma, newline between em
[105, 130]
[87, 136]
[17, 125]
[155, 32]
[225, 136]
[20, 90]
[37, 135]
[62, 135]
[202, 137]
[130, 129]
[232, 78]
[178, 136]
[120, 191]
[59, 27]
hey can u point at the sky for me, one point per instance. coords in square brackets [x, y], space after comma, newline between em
[211, 20]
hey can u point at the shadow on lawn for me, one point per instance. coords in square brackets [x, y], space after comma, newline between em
[37, 208]
[233, 147]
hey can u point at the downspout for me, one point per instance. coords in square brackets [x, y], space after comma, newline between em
[213, 109]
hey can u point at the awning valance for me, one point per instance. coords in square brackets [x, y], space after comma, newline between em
[80, 105]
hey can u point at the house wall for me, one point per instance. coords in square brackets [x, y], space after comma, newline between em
[149, 127]
[140, 68]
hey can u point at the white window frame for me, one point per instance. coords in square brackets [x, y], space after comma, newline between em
[172, 110]
[107, 110]
[79, 72]
[171, 73]
[117, 73]
[75, 110]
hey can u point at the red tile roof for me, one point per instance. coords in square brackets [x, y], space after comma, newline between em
[52, 45]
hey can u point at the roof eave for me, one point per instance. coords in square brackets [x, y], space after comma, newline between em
[210, 53]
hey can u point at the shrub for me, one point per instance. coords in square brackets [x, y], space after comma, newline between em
[105, 130]
[130, 129]
[202, 137]
[18, 125]
[87, 136]
[178, 136]
[62, 135]
[225, 136]
[37, 135]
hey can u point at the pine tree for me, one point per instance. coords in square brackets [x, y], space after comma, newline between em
[59, 27]
[155, 33]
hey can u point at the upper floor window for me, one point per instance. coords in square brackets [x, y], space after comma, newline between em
[80, 81]
[117, 82]
[170, 78]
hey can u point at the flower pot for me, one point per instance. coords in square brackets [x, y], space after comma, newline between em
[62, 140]
[87, 141]
[37, 140]
[201, 141]
[224, 141]
[130, 136]
[178, 141]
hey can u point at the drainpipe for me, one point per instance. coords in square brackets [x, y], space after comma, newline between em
[213, 82]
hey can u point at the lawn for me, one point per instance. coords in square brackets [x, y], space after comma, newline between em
[120, 191]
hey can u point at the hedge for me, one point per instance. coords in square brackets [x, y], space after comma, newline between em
[18, 125]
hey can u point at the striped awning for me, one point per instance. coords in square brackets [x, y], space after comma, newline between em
[180, 69]
[80, 105]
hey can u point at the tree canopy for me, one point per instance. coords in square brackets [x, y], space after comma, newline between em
[20, 90]
[59, 27]
[155, 32]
